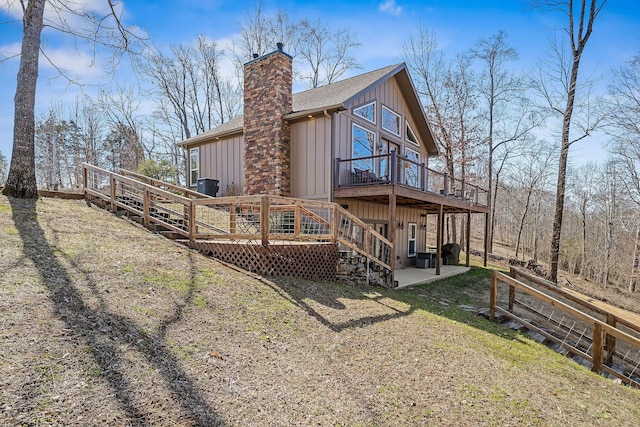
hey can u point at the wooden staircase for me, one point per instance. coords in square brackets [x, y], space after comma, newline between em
[206, 222]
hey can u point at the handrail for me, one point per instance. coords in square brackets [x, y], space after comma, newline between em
[612, 318]
[603, 336]
[157, 183]
[384, 169]
[250, 218]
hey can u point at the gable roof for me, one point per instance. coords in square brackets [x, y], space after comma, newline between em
[338, 96]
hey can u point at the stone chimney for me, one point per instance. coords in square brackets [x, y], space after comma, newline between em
[267, 98]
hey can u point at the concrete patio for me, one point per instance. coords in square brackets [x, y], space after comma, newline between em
[410, 276]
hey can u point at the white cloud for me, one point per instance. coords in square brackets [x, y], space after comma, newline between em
[10, 50]
[390, 7]
[73, 63]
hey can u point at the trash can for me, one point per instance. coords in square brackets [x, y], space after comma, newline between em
[422, 259]
[208, 186]
[426, 260]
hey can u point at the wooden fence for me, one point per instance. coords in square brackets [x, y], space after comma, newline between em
[608, 341]
[246, 219]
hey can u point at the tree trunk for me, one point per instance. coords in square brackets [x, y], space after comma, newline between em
[636, 263]
[21, 181]
[583, 212]
[576, 55]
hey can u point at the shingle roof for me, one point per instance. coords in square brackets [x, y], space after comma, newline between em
[339, 92]
[232, 126]
[332, 95]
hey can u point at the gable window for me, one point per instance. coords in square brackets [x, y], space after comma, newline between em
[413, 232]
[390, 121]
[411, 135]
[411, 168]
[367, 111]
[194, 166]
[362, 145]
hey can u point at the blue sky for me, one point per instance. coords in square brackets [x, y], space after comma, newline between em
[381, 26]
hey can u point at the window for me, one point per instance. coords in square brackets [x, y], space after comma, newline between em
[413, 232]
[411, 168]
[194, 166]
[367, 111]
[411, 135]
[363, 145]
[390, 121]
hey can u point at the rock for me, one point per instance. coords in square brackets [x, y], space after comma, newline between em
[451, 254]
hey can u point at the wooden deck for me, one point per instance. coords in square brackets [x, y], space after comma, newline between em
[269, 221]
[378, 178]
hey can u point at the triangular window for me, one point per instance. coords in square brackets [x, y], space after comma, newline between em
[411, 135]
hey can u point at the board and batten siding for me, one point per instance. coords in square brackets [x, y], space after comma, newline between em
[387, 94]
[311, 162]
[378, 213]
[223, 160]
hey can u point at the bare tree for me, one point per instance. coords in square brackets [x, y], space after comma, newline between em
[188, 80]
[584, 188]
[431, 72]
[259, 33]
[321, 53]
[509, 116]
[624, 125]
[104, 29]
[530, 176]
[447, 90]
[608, 194]
[21, 181]
[564, 75]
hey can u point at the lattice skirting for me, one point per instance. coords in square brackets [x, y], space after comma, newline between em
[312, 261]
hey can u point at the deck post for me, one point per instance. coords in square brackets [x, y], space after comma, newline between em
[392, 228]
[112, 192]
[446, 184]
[597, 344]
[423, 178]
[610, 340]
[486, 237]
[232, 219]
[145, 206]
[439, 233]
[85, 179]
[493, 295]
[468, 237]
[394, 167]
[264, 219]
[296, 221]
[336, 223]
[336, 173]
[192, 221]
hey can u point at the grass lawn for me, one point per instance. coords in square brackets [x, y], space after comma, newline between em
[105, 323]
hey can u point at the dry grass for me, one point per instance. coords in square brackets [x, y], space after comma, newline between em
[104, 323]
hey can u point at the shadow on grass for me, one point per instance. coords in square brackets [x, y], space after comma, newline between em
[103, 331]
[457, 298]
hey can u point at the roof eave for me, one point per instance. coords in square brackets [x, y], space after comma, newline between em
[313, 112]
[199, 139]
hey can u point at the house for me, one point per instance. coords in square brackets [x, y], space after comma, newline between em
[363, 142]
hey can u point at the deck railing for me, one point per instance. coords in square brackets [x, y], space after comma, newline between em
[391, 168]
[247, 219]
[609, 342]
